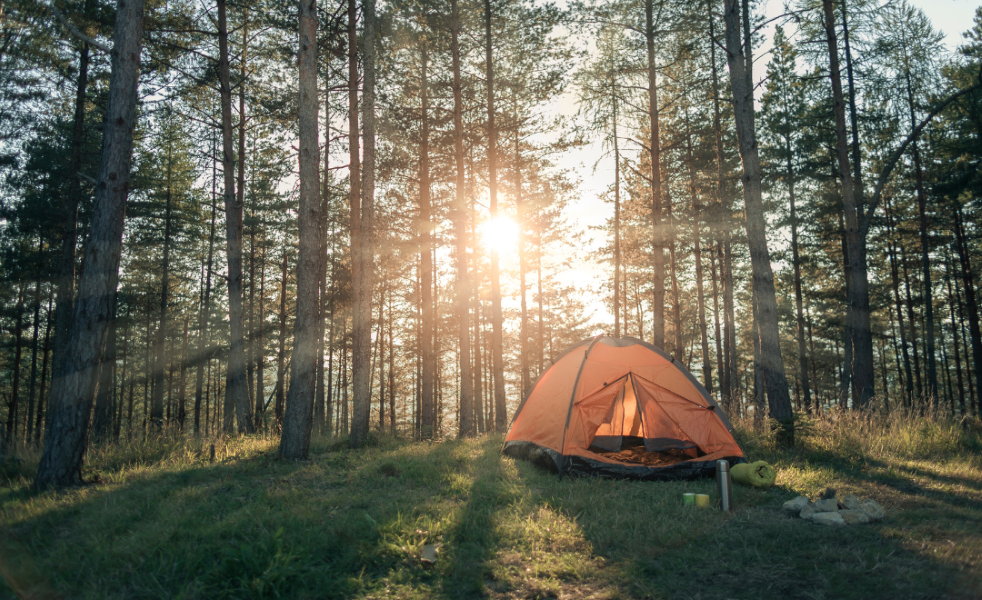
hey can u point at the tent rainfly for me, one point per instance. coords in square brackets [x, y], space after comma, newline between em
[622, 408]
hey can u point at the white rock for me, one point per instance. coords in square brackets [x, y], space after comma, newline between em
[853, 517]
[851, 502]
[828, 518]
[830, 505]
[807, 512]
[796, 505]
[873, 510]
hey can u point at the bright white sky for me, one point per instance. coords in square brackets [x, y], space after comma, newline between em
[953, 17]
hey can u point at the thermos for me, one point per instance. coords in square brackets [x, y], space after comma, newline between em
[724, 487]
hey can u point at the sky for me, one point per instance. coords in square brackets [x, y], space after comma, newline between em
[952, 17]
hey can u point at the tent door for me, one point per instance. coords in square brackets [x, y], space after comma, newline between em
[624, 419]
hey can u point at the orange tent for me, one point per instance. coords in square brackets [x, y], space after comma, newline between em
[620, 407]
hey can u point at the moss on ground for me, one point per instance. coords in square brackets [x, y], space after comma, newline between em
[165, 522]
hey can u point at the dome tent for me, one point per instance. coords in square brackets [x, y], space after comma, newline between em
[620, 407]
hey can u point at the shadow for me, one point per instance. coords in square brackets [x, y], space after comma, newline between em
[349, 524]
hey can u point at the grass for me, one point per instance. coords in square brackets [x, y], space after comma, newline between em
[165, 522]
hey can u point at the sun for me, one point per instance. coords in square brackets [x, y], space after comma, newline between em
[500, 234]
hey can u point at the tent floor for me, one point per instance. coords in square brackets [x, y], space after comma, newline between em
[639, 456]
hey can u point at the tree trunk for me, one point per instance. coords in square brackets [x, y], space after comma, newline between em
[707, 365]
[968, 279]
[466, 423]
[858, 318]
[281, 354]
[157, 400]
[426, 413]
[39, 422]
[295, 441]
[928, 300]
[952, 301]
[763, 278]
[204, 332]
[798, 300]
[654, 149]
[617, 215]
[497, 344]
[29, 423]
[236, 390]
[182, 380]
[729, 369]
[895, 283]
[363, 285]
[71, 402]
[102, 415]
[69, 242]
[15, 385]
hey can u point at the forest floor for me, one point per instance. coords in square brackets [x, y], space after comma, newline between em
[165, 522]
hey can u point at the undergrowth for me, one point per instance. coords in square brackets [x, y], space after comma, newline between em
[163, 520]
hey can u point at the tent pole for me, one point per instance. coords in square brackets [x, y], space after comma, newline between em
[569, 412]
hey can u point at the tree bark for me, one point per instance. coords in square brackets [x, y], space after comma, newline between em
[707, 365]
[466, 424]
[102, 415]
[157, 399]
[204, 332]
[968, 280]
[71, 402]
[772, 365]
[426, 413]
[295, 441]
[281, 354]
[497, 344]
[858, 318]
[236, 390]
[363, 284]
[654, 150]
[12, 408]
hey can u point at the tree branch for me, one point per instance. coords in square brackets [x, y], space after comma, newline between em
[895, 157]
[75, 31]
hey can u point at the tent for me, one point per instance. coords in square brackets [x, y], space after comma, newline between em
[620, 407]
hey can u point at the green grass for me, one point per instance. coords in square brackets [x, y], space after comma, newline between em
[165, 523]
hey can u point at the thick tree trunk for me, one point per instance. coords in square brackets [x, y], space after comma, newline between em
[295, 441]
[236, 390]
[858, 285]
[64, 450]
[654, 150]
[363, 286]
[102, 415]
[466, 427]
[763, 278]
[497, 344]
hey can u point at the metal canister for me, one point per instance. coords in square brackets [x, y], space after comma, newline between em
[724, 487]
